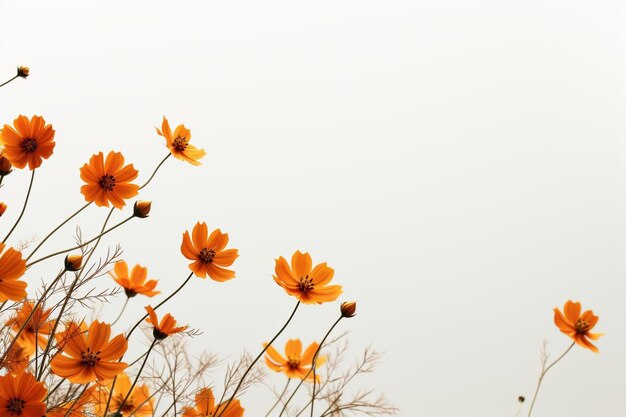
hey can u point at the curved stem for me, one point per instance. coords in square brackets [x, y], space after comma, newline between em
[30, 187]
[155, 171]
[317, 352]
[543, 373]
[232, 397]
[121, 312]
[280, 397]
[57, 228]
[137, 377]
[6, 82]
[102, 233]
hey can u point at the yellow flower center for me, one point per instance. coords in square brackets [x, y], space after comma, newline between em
[582, 326]
[293, 362]
[90, 358]
[28, 145]
[15, 406]
[180, 143]
[107, 182]
[306, 284]
[207, 255]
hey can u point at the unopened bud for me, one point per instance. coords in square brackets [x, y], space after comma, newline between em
[3, 208]
[5, 165]
[73, 262]
[142, 208]
[23, 71]
[348, 309]
[521, 398]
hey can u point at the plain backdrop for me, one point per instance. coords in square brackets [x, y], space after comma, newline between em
[460, 163]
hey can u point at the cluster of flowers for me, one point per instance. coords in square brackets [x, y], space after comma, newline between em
[46, 352]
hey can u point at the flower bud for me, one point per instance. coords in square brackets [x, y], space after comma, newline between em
[3, 208]
[5, 165]
[23, 71]
[73, 262]
[142, 208]
[348, 309]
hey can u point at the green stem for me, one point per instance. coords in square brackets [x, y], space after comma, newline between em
[30, 186]
[232, 397]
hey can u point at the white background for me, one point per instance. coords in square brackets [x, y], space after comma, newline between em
[461, 164]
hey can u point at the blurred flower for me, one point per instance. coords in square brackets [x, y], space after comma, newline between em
[5, 165]
[16, 359]
[308, 286]
[21, 395]
[348, 309]
[12, 267]
[577, 326]
[36, 332]
[73, 408]
[23, 71]
[135, 283]
[73, 262]
[178, 143]
[139, 402]
[142, 209]
[205, 406]
[28, 142]
[296, 364]
[91, 356]
[108, 181]
[3, 208]
[165, 328]
[208, 253]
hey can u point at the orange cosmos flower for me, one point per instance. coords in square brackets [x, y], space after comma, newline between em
[308, 286]
[178, 143]
[297, 364]
[21, 395]
[16, 359]
[165, 328]
[3, 208]
[135, 282]
[208, 253]
[12, 267]
[108, 181]
[205, 406]
[92, 356]
[139, 403]
[72, 329]
[36, 331]
[577, 326]
[27, 143]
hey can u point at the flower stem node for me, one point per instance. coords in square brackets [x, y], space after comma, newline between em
[73, 262]
[23, 71]
[142, 209]
[348, 309]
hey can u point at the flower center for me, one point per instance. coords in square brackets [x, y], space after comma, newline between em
[180, 143]
[293, 362]
[29, 145]
[582, 326]
[107, 182]
[306, 284]
[15, 406]
[130, 292]
[90, 358]
[207, 255]
[128, 406]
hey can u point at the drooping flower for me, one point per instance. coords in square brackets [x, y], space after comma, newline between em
[90, 357]
[208, 254]
[108, 181]
[576, 325]
[12, 267]
[294, 364]
[205, 406]
[139, 402]
[166, 327]
[135, 282]
[307, 284]
[28, 141]
[22, 396]
[36, 329]
[178, 143]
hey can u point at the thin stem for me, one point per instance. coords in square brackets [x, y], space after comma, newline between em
[30, 186]
[6, 82]
[121, 312]
[102, 233]
[69, 410]
[232, 397]
[280, 397]
[543, 373]
[155, 171]
[137, 377]
[317, 352]
[57, 228]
